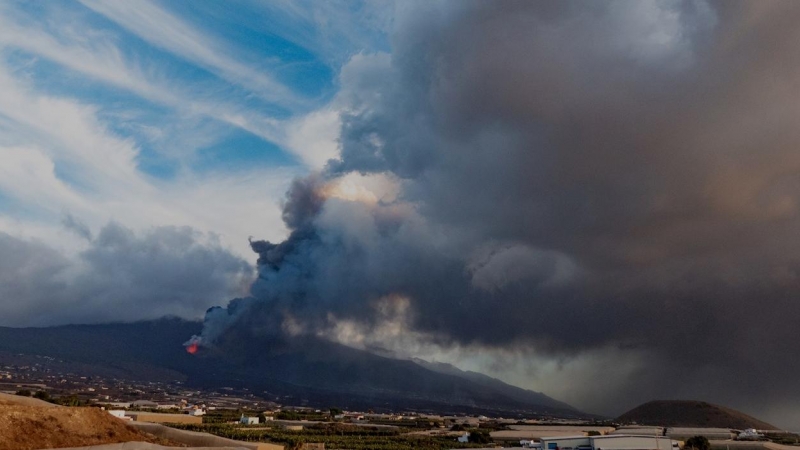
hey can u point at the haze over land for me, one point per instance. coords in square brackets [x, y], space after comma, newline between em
[598, 201]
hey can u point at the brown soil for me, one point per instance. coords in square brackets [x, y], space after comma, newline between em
[25, 427]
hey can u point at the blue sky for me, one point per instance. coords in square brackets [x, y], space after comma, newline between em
[121, 111]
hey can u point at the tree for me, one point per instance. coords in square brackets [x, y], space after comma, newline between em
[593, 433]
[70, 400]
[288, 415]
[42, 395]
[698, 443]
[479, 437]
[335, 411]
[24, 393]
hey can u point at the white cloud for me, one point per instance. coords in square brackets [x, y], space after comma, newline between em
[29, 175]
[58, 157]
[314, 137]
[95, 53]
[77, 155]
[100, 59]
[162, 29]
[68, 131]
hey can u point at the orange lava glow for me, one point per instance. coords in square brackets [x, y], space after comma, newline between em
[191, 349]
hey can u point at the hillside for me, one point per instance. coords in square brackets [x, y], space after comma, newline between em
[319, 371]
[494, 383]
[27, 424]
[684, 413]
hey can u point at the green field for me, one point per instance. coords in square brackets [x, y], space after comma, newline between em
[335, 436]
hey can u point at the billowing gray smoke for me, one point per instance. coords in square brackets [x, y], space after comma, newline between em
[572, 176]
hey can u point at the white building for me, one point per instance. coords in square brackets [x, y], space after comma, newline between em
[612, 442]
[168, 406]
[119, 414]
[749, 434]
[248, 420]
[464, 438]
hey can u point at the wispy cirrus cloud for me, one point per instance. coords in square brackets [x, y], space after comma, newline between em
[102, 60]
[162, 29]
[59, 156]
[334, 30]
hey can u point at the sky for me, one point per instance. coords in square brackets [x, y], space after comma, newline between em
[151, 134]
[597, 200]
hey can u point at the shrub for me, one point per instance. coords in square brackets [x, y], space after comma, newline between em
[479, 437]
[698, 443]
[69, 400]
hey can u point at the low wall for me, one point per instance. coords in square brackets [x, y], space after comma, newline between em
[143, 416]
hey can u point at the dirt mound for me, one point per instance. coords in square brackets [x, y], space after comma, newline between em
[10, 399]
[693, 414]
[25, 427]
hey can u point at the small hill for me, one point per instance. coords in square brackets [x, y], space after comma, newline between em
[10, 399]
[691, 414]
[27, 424]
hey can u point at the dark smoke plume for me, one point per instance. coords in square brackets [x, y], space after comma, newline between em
[574, 176]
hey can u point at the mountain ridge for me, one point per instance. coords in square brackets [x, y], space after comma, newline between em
[486, 380]
[317, 370]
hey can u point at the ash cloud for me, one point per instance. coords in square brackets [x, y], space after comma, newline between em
[120, 276]
[573, 177]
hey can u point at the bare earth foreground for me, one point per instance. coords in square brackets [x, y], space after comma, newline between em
[29, 424]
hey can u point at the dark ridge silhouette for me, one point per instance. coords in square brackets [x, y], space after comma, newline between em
[690, 413]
